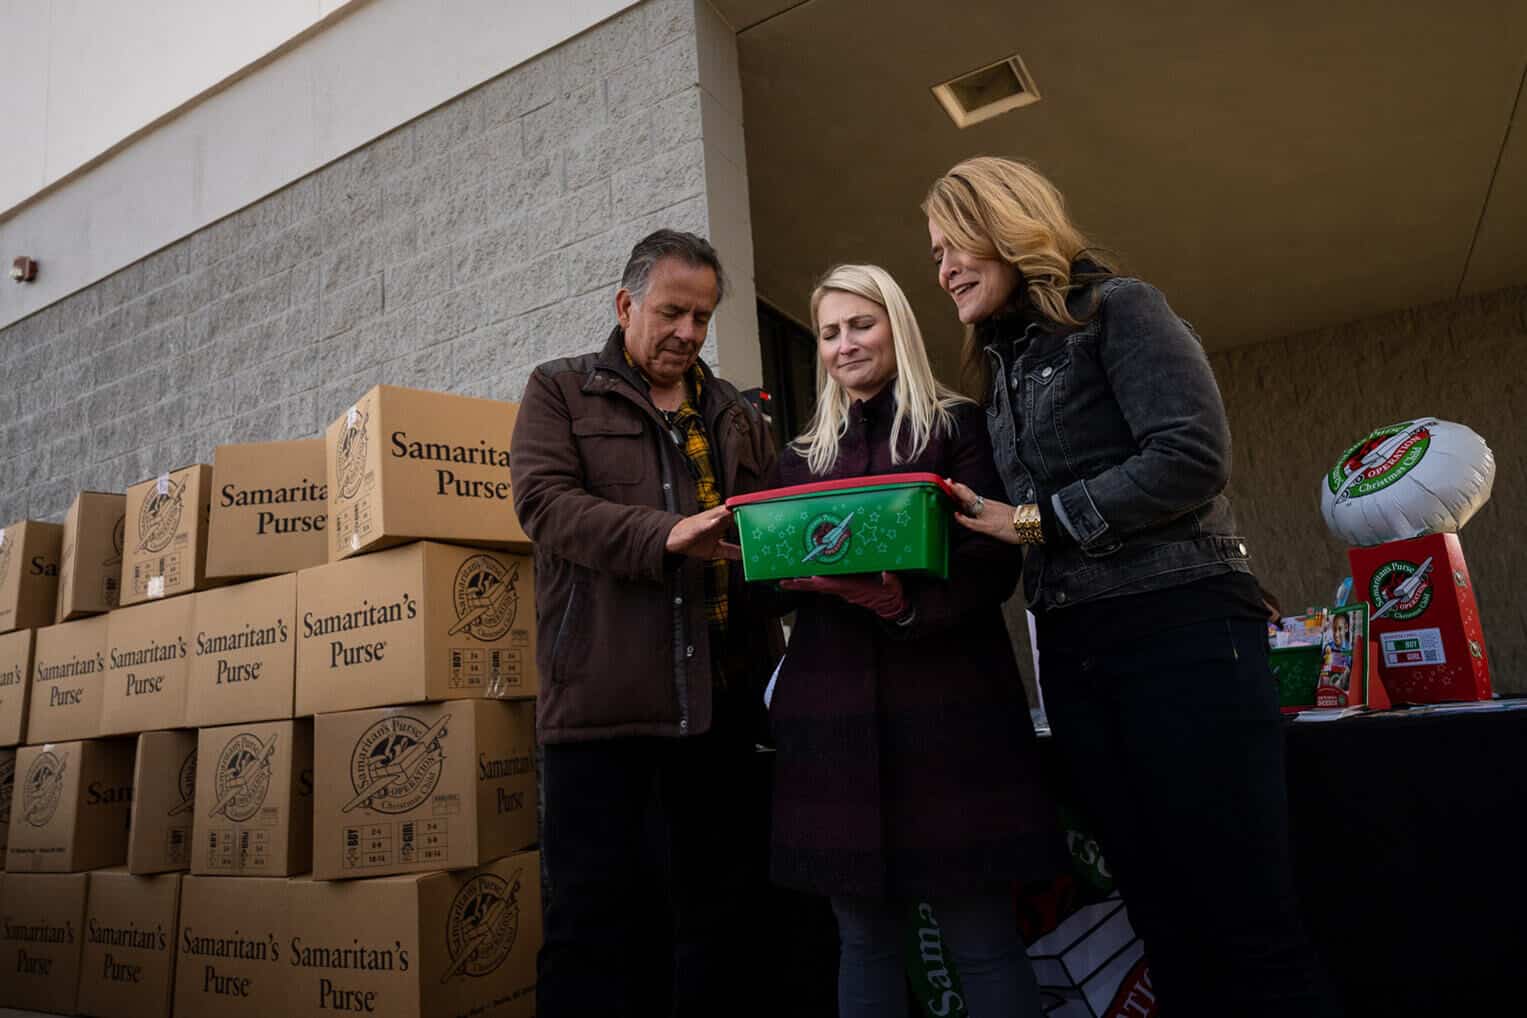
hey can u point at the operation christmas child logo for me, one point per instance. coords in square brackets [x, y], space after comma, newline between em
[43, 788]
[350, 453]
[1380, 460]
[7, 543]
[243, 777]
[159, 516]
[485, 598]
[396, 764]
[482, 925]
[1401, 590]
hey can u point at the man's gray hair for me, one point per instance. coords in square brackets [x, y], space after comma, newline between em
[692, 250]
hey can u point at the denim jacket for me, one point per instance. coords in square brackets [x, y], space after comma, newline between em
[1117, 430]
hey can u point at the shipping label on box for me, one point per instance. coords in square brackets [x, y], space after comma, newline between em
[68, 681]
[29, 574]
[131, 929]
[148, 664]
[244, 656]
[70, 808]
[1424, 618]
[43, 931]
[166, 548]
[269, 509]
[164, 796]
[406, 464]
[255, 799]
[7, 794]
[423, 622]
[15, 684]
[434, 945]
[90, 558]
[433, 786]
[234, 935]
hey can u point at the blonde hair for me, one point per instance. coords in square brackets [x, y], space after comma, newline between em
[922, 404]
[1003, 208]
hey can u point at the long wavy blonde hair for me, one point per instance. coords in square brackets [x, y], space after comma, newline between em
[922, 404]
[1003, 208]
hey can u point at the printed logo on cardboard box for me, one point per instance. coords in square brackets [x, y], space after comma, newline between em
[1401, 589]
[243, 776]
[186, 784]
[350, 455]
[159, 516]
[396, 764]
[43, 788]
[482, 924]
[485, 598]
[6, 547]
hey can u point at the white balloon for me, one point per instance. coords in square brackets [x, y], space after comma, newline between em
[1425, 476]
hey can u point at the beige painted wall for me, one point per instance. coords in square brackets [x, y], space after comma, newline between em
[1296, 402]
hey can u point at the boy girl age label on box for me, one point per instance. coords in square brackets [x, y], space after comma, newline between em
[433, 786]
[71, 806]
[234, 938]
[29, 574]
[90, 559]
[425, 621]
[269, 509]
[406, 464]
[244, 653]
[166, 548]
[43, 934]
[148, 658]
[432, 945]
[254, 795]
[128, 960]
[15, 684]
[68, 681]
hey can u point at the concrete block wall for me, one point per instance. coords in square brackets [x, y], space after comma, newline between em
[454, 253]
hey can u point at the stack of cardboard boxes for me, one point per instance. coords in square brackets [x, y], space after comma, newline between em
[299, 755]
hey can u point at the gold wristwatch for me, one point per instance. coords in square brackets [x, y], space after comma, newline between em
[1026, 524]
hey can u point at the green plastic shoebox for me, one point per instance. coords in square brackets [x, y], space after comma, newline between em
[891, 522]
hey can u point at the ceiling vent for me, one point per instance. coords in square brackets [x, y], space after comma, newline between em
[987, 92]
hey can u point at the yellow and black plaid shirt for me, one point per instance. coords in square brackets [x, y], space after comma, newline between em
[690, 427]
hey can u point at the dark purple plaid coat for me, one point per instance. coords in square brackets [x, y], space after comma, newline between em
[906, 762]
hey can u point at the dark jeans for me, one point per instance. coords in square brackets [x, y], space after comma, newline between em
[1173, 751]
[647, 845]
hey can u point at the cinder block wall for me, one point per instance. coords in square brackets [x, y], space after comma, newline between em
[454, 253]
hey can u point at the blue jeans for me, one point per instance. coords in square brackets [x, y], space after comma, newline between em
[980, 937]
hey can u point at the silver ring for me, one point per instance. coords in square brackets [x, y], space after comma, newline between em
[978, 505]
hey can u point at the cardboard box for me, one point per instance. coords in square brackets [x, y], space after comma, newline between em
[231, 959]
[405, 464]
[1425, 619]
[127, 969]
[244, 655]
[29, 574]
[7, 794]
[269, 509]
[90, 557]
[43, 935]
[15, 684]
[164, 799]
[148, 664]
[430, 945]
[433, 786]
[254, 799]
[423, 622]
[70, 807]
[166, 548]
[68, 681]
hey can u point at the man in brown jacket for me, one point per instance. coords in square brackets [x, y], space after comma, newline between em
[649, 649]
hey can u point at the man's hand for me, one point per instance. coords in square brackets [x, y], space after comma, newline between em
[881, 594]
[701, 535]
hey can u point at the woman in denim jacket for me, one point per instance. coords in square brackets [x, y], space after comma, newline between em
[1111, 439]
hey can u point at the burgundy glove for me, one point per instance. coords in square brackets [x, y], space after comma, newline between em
[880, 594]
